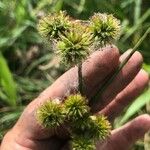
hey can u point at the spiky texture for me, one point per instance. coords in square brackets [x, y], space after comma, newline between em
[74, 40]
[50, 114]
[84, 129]
[92, 127]
[53, 25]
[76, 107]
[105, 28]
[80, 143]
[100, 127]
[74, 45]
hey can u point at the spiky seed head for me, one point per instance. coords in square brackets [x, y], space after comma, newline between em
[74, 45]
[81, 126]
[80, 143]
[92, 127]
[76, 107]
[52, 25]
[105, 28]
[100, 126]
[50, 114]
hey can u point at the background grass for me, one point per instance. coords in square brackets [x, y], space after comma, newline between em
[27, 66]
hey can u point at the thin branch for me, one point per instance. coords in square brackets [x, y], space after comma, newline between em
[80, 79]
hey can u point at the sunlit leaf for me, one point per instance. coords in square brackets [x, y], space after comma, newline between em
[146, 67]
[7, 82]
[136, 106]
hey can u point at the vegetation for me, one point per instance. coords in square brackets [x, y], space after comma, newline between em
[27, 66]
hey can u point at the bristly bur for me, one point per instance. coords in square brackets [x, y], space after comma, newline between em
[51, 26]
[105, 28]
[75, 112]
[74, 42]
[50, 114]
[74, 45]
[76, 107]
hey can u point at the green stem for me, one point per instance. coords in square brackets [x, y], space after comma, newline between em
[96, 97]
[80, 79]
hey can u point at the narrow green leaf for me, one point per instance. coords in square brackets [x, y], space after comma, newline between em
[10, 117]
[136, 106]
[7, 82]
[137, 11]
[146, 67]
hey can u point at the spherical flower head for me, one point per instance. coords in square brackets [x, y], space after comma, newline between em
[52, 25]
[100, 126]
[83, 128]
[50, 114]
[105, 28]
[92, 127]
[80, 143]
[74, 45]
[76, 107]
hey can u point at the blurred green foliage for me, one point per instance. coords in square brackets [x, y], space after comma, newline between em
[27, 66]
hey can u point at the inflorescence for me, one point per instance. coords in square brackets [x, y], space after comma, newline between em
[74, 38]
[105, 28]
[85, 129]
[74, 41]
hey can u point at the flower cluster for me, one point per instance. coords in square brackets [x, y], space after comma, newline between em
[80, 143]
[74, 41]
[85, 129]
[74, 45]
[53, 25]
[50, 114]
[75, 38]
[105, 28]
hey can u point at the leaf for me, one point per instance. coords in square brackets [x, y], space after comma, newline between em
[10, 117]
[15, 34]
[2, 5]
[136, 106]
[146, 67]
[4, 41]
[137, 26]
[7, 82]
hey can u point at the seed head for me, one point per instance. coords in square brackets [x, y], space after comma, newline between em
[54, 24]
[100, 127]
[76, 107]
[80, 143]
[92, 127]
[50, 114]
[105, 28]
[74, 45]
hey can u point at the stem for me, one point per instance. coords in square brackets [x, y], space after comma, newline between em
[80, 79]
[96, 97]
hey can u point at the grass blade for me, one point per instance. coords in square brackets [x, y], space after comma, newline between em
[136, 106]
[7, 82]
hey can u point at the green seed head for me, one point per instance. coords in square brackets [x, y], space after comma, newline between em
[79, 143]
[74, 45]
[54, 24]
[100, 127]
[83, 128]
[92, 127]
[50, 114]
[76, 107]
[105, 28]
